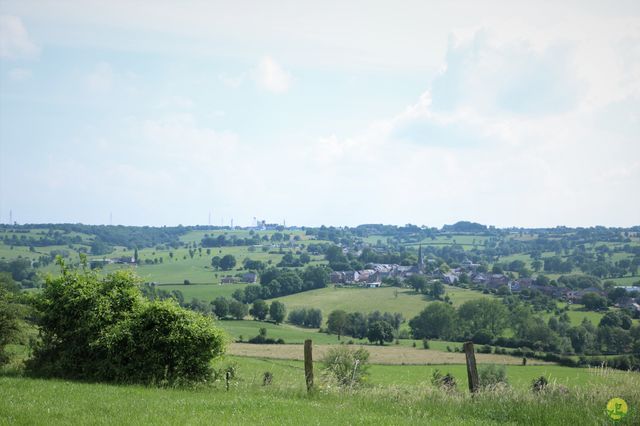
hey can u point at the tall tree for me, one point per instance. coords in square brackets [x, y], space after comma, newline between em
[259, 310]
[380, 331]
[437, 320]
[277, 311]
[483, 314]
[227, 262]
[337, 322]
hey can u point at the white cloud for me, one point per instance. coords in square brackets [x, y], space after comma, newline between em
[232, 81]
[471, 155]
[20, 74]
[176, 102]
[271, 76]
[101, 78]
[15, 42]
[180, 137]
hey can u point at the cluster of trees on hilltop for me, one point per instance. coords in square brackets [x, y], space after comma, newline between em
[276, 282]
[223, 240]
[465, 226]
[116, 235]
[49, 239]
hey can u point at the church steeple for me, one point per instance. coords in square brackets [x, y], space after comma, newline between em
[420, 258]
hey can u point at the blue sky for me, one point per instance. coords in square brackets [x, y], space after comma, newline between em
[338, 113]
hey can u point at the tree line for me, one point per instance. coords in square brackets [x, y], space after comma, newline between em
[375, 326]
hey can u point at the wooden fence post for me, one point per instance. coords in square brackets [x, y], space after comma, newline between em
[472, 371]
[308, 364]
[227, 377]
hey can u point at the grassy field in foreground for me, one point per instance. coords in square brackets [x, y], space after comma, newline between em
[46, 402]
[291, 373]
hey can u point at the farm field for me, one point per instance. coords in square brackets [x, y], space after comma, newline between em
[392, 354]
[381, 299]
[175, 267]
[626, 280]
[287, 332]
[174, 270]
[206, 292]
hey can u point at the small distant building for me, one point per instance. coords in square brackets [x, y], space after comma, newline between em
[375, 284]
[344, 277]
[449, 278]
[124, 260]
[468, 265]
[250, 278]
[227, 280]
[629, 288]
[575, 295]
[336, 277]
[631, 305]
[366, 275]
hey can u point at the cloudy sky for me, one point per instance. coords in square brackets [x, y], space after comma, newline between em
[336, 113]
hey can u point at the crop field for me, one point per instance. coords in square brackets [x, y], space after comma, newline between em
[397, 355]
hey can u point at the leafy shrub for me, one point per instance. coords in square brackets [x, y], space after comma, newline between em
[539, 384]
[221, 373]
[10, 314]
[425, 343]
[482, 337]
[349, 367]
[491, 375]
[446, 382]
[267, 378]
[484, 349]
[262, 339]
[102, 328]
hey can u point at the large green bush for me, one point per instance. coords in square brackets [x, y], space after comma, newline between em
[101, 328]
[10, 329]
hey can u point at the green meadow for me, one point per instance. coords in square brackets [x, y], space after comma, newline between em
[383, 299]
[392, 395]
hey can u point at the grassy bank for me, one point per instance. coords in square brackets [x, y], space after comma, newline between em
[29, 401]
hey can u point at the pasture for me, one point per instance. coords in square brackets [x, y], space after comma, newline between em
[290, 371]
[287, 332]
[383, 299]
[393, 395]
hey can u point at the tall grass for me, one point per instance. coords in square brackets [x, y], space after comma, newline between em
[29, 401]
